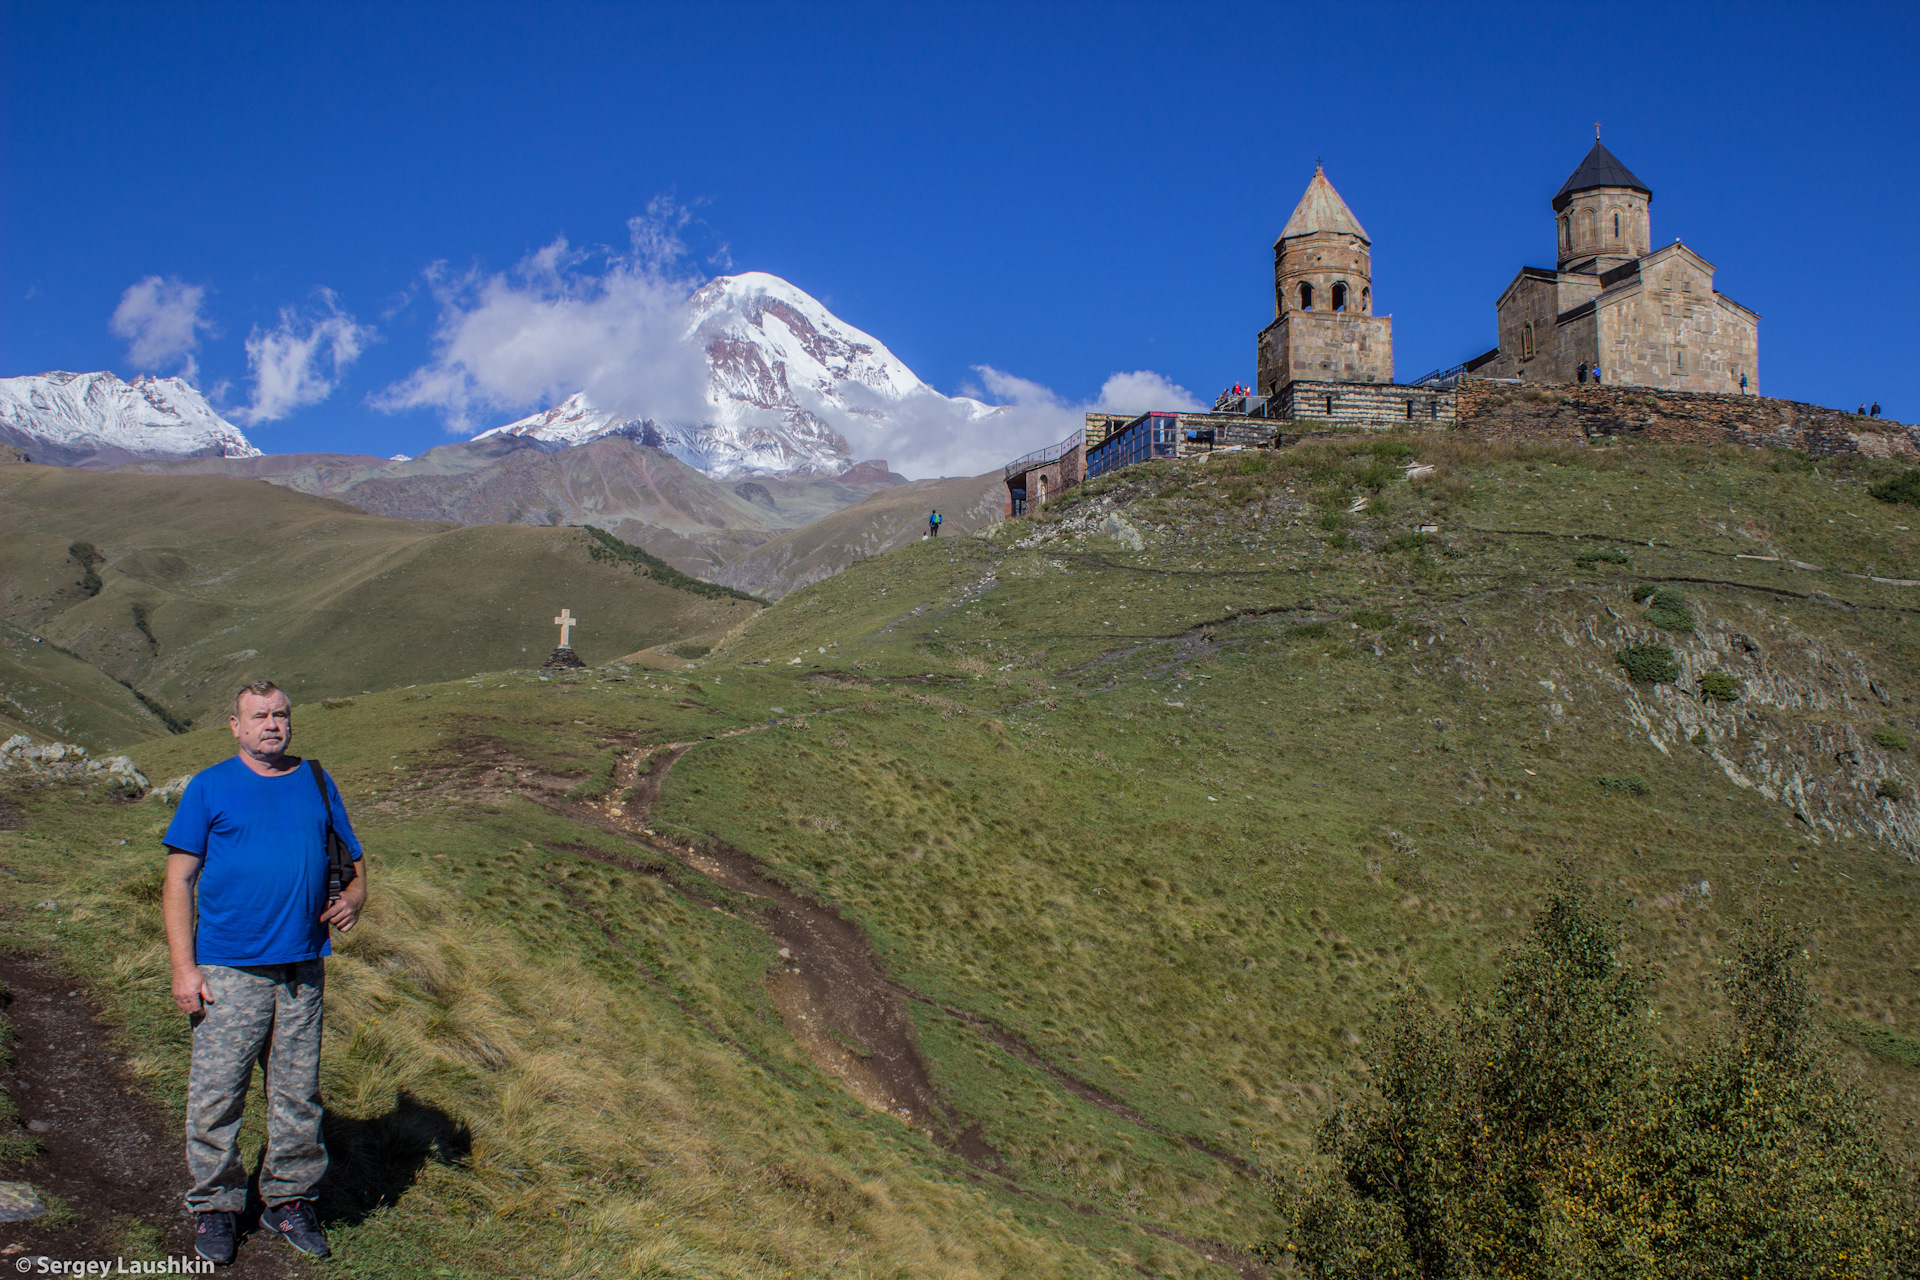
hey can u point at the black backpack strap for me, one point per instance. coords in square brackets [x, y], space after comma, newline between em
[340, 868]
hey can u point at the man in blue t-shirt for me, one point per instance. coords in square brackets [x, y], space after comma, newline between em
[251, 836]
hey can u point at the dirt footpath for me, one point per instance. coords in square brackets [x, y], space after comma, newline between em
[112, 1157]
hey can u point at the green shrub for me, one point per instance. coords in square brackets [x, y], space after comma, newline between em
[692, 651]
[1700, 738]
[1627, 784]
[1903, 488]
[88, 557]
[1371, 619]
[1334, 521]
[1668, 611]
[1413, 542]
[1536, 1132]
[1378, 475]
[1308, 631]
[607, 547]
[1890, 789]
[334, 704]
[1391, 451]
[1720, 686]
[1648, 663]
[1605, 555]
[1644, 592]
[1889, 738]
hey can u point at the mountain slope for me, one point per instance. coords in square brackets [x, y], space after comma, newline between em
[644, 494]
[786, 379]
[204, 582]
[885, 520]
[95, 419]
[1008, 905]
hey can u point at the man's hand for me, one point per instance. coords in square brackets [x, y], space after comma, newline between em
[344, 910]
[190, 989]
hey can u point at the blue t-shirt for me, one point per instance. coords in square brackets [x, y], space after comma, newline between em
[263, 874]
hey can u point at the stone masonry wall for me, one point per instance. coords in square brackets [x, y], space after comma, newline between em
[1380, 406]
[1580, 411]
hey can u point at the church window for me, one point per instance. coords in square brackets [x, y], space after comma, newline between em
[1329, 406]
[1340, 296]
[1409, 411]
[1679, 361]
[1526, 342]
[1566, 235]
[1366, 300]
[1616, 224]
[1306, 297]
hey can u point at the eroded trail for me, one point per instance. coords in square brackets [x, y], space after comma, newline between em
[833, 997]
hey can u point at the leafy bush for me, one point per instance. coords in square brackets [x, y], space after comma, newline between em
[1890, 789]
[1668, 611]
[1699, 738]
[1371, 619]
[1720, 686]
[1903, 488]
[1535, 1132]
[1602, 555]
[692, 651]
[88, 557]
[1627, 783]
[1648, 663]
[1334, 520]
[607, 547]
[1414, 542]
[1889, 738]
[1644, 592]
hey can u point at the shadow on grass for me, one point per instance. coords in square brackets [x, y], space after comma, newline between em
[373, 1162]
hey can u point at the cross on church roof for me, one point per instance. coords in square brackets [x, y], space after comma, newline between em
[566, 622]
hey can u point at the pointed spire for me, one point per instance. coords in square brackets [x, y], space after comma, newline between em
[1601, 168]
[1322, 209]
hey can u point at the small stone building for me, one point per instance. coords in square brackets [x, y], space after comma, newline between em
[1638, 317]
[1043, 474]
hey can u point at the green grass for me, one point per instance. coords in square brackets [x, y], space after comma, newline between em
[1183, 821]
[206, 583]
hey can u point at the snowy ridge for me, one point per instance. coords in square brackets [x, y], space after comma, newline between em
[68, 417]
[786, 379]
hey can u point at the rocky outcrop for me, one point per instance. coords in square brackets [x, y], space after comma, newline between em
[64, 761]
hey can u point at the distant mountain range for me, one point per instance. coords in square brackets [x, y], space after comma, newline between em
[787, 382]
[786, 378]
[95, 419]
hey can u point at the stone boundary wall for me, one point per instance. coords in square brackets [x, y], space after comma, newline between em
[1579, 411]
[1383, 406]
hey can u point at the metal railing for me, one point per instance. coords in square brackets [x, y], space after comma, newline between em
[1440, 375]
[1041, 457]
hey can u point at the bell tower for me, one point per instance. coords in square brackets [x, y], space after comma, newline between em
[1324, 327]
[1600, 215]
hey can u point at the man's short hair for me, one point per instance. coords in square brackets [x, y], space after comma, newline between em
[259, 689]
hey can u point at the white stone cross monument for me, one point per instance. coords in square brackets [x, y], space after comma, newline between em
[566, 622]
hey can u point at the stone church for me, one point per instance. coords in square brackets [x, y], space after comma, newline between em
[1613, 310]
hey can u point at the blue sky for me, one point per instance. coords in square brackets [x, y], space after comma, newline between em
[1060, 192]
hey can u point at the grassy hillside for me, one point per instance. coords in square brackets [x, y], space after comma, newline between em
[644, 494]
[885, 520]
[1097, 844]
[199, 583]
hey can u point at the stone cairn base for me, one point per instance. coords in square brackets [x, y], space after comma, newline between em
[562, 659]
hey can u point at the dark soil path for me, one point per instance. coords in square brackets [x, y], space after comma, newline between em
[112, 1157]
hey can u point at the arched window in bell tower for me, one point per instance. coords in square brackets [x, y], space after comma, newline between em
[1616, 224]
[1366, 301]
[1306, 296]
[1340, 296]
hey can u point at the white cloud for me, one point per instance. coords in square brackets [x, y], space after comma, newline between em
[299, 361]
[161, 322]
[1142, 391]
[548, 328]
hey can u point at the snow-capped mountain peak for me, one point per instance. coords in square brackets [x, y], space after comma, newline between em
[787, 383]
[61, 417]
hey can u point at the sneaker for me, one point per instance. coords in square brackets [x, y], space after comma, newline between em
[213, 1236]
[298, 1223]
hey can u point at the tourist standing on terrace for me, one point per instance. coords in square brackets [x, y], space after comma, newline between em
[252, 835]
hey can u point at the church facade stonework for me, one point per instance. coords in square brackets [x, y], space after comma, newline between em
[1611, 309]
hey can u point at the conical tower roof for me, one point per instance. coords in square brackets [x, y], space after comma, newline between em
[1601, 168]
[1322, 209]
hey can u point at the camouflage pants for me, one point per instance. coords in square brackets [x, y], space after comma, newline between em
[268, 1014]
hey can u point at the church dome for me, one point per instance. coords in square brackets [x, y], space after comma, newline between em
[1601, 168]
